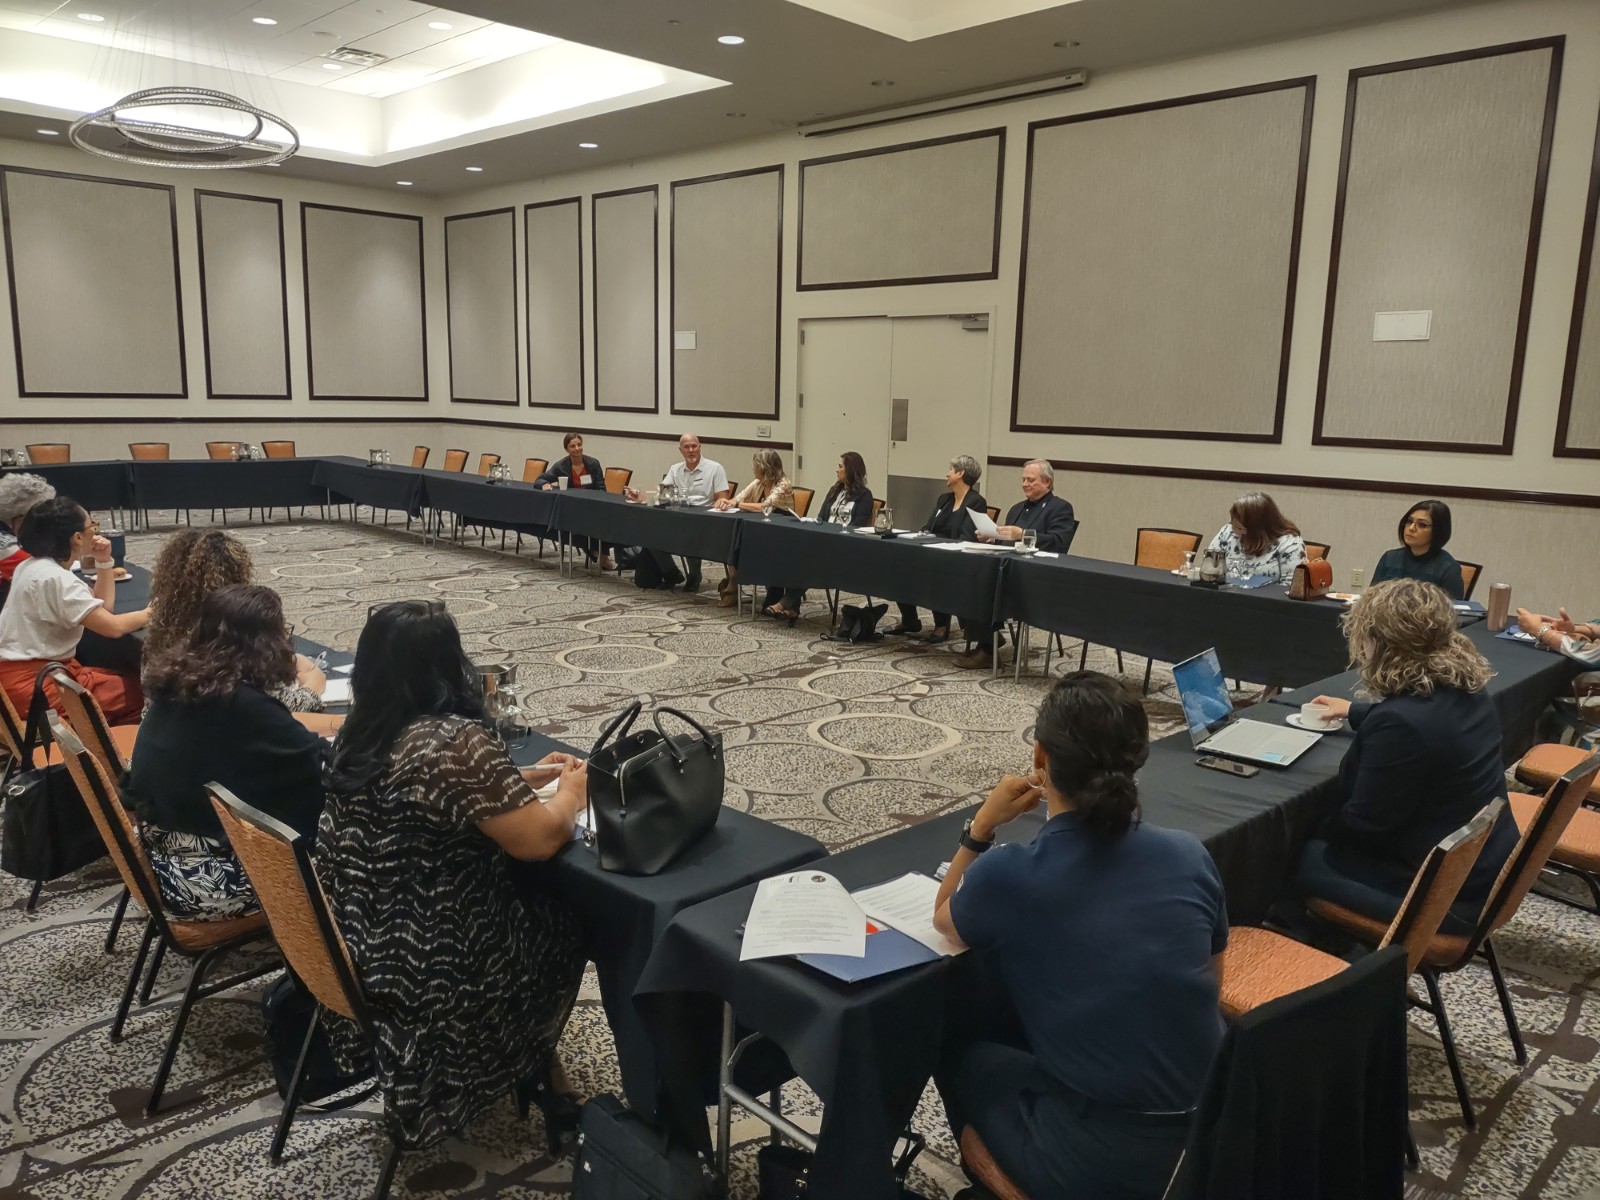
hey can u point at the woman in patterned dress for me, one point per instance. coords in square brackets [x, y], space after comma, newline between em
[1260, 540]
[468, 985]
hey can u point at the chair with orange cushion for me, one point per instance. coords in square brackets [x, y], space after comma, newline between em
[1450, 952]
[486, 462]
[1578, 851]
[1260, 965]
[202, 942]
[802, 500]
[1315, 550]
[618, 478]
[149, 451]
[43, 453]
[419, 457]
[533, 468]
[278, 449]
[1158, 549]
[1469, 578]
[455, 460]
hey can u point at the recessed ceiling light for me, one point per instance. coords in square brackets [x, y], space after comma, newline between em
[402, 183]
[90, 17]
[48, 132]
[883, 83]
[333, 66]
[588, 145]
[1065, 45]
[262, 21]
[731, 39]
[440, 25]
[474, 168]
[323, 33]
[733, 114]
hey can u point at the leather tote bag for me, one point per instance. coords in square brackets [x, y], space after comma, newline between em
[46, 831]
[652, 795]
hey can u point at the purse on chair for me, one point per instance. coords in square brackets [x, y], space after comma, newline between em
[47, 830]
[652, 795]
[1312, 580]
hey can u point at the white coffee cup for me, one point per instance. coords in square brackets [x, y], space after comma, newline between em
[1317, 716]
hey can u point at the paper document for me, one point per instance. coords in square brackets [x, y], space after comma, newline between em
[336, 691]
[947, 545]
[906, 904]
[805, 912]
[982, 523]
[344, 670]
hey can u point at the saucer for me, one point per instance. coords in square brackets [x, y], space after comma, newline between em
[1332, 727]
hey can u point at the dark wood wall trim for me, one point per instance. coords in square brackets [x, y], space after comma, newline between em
[655, 294]
[1535, 222]
[11, 283]
[1330, 483]
[1569, 380]
[1309, 83]
[449, 316]
[422, 277]
[205, 306]
[672, 302]
[527, 300]
[998, 133]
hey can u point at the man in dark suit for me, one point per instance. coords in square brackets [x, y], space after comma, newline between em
[1051, 520]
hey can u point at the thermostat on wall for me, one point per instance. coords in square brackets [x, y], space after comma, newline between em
[1402, 326]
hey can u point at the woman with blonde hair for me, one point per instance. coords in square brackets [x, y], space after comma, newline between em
[1425, 759]
[768, 486]
[192, 564]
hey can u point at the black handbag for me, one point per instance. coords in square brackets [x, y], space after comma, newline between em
[783, 1172]
[620, 1157]
[651, 795]
[46, 831]
[859, 623]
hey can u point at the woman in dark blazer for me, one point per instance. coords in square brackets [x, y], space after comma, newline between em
[577, 470]
[949, 520]
[1425, 759]
[848, 503]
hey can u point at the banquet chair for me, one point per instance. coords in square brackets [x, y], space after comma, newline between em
[1578, 851]
[1469, 578]
[278, 449]
[455, 460]
[149, 451]
[1316, 550]
[42, 454]
[13, 732]
[419, 457]
[1447, 953]
[278, 862]
[223, 450]
[533, 468]
[486, 462]
[994, 513]
[1158, 549]
[202, 942]
[802, 500]
[618, 478]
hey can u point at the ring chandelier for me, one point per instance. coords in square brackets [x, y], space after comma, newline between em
[111, 133]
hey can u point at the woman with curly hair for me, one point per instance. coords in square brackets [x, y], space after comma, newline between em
[213, 718]
[1425, 759]
[192, 564]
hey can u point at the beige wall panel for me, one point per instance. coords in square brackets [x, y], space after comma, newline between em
[552, 242]
[903, 216]
[1581, 398]
[1359, 525]
[1443, 163]
[1159, 264]
[481, 286]
[623, 229]
[726, 268]
[242, 290]
[93, 273]
[365, 322]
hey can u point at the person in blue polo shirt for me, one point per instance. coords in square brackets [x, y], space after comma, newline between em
[1106, 936]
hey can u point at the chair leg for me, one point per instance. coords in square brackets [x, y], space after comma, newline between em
[116, 922]
[133, 980]
[1413, 1159]
[390, 1164]
[1504, 993]
[1119, 662]
[33, 896]
[1149, 664]
[197, 975]
[155, 969]
[1450, 1057]
[1083, 659]
[292, 1101]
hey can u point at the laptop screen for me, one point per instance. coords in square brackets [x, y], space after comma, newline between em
[1204, 693]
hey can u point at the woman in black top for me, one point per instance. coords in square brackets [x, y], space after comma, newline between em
[1424, 530]
[579, 471]
[949, 520]
[211, 720]
[848, 503]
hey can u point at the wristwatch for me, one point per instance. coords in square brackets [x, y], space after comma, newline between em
[968, 842]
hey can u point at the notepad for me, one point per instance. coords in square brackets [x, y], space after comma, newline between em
[336, 691]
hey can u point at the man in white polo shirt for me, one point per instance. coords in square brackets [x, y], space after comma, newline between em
[698, 481]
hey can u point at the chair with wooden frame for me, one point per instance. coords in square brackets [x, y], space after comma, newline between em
[223, 451]
[487, 462]
[618, 478]
[278, 449]
[1158, 549]
[1448, 953]
[994, 513]
[532, 468]
[149, 451]
[42, 454]
[802, 500]
[455, 460]
[278, 861]
[1316, 550]
[13, 733]
[419, 457]
[1578, 851]
[1469, 578]
[202, 942]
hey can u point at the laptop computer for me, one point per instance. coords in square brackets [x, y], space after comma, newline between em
[1208, 710]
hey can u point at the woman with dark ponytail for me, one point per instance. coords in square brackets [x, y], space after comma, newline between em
[1105, 936]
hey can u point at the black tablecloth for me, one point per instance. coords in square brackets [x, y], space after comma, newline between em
[352, 481]
[1526, 680]
[679, 529]
[476, 500]
[1259, 634]
[223, 483]
[795, 554]
[123, 653]
[91, 484]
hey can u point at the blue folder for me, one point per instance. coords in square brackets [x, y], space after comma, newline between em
[888, 950]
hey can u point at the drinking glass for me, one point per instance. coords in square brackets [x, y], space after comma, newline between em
[1030, 541]
[766, 510]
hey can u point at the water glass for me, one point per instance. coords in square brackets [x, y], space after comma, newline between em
[1030, 541]
[766, 510]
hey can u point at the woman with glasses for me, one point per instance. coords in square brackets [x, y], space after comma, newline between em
[50, 605]
[1423, 532]
[214, 717]
[469, 982]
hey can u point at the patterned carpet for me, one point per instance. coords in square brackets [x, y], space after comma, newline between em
[842, 742]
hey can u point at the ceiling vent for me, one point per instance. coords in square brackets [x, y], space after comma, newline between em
[356, 56]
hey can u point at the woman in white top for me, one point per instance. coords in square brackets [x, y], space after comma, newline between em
[49, 607]
[768, 486]
[1259, 540]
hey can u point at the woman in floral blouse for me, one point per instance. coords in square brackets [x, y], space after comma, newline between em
[1259, 540]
